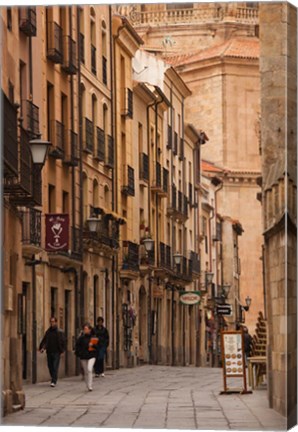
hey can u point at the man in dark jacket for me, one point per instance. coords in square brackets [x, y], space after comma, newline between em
[103, 335]
[54, 344]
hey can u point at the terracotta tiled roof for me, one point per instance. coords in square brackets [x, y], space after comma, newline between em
[246, 48]
[208, 166]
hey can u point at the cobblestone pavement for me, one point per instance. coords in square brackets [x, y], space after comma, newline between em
[147, 397]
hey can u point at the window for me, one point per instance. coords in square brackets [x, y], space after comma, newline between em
[93, 40]
[54, 302]
[104, 52]
[50, 108]
[82, 35]
[52, 198]
[65, 202]
[9, 18]
[95, 200]
[140, 137]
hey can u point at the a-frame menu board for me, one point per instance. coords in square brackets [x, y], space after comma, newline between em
[233, 360]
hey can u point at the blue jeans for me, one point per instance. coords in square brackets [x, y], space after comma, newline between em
[53, 365]
[99, 363]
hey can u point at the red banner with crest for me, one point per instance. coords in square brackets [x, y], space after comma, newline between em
[57, 232]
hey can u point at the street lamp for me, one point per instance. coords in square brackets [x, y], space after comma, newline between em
[177, 258]
[39, 149]
[209, 277]
[93, 223]
[248, 303]
[225, 290]
[148, 243]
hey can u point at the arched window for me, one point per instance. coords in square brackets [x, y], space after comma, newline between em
[93, 40]
[82, 34]
[107, 196]
[95, 198]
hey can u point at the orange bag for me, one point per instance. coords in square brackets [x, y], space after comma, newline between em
[94, 341]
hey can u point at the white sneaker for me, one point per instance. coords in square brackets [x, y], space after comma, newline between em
[53, 384]
[90, 388]
[102, 374]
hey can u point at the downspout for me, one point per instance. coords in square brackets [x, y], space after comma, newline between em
[196, 171]
[81, 221]
[172, 178]
[183, 238]
[114, 188]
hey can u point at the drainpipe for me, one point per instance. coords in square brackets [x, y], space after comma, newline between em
[183, 238]
[172, 178]
[81, 282]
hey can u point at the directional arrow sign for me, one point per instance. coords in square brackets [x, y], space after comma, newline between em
[224, 309]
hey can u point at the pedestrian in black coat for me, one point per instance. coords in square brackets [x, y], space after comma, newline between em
[54, 344]
[103, 342]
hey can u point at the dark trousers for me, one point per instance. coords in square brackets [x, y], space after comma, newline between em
[53, 365]
[99, 363]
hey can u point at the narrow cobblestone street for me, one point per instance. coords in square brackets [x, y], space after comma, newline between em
[147, 397]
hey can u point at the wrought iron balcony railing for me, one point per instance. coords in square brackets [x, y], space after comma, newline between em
[175, 146]
[190, 194]
[110, 156]
[30, 115]
[170, 137]
[101, 144]
[130, 256]
[174, 198]
[57, 138]
[71, 155]
[104, 70]
[185, 205]
[180, 202]
[144, 167]
[82, 48]
[70, 62]
[10, 138]
[194, 257]
[31, 227]
[128, 103]
[165, 183]
[158, 174]
[181, 149]
[165, 256]
[76, 242]
[54, 42]
[88, 135]
[129, 181]
[27, 20]
[93, 59]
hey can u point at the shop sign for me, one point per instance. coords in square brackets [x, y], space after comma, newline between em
[190, 297]
[57, 232]
[224, 309]
[158, 292]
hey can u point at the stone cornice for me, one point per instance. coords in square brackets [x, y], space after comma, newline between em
[280, 225]
[238, 177]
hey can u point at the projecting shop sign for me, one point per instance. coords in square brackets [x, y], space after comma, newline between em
[190, 297]
[57, 232]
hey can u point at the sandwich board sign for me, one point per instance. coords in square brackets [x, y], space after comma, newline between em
[233, 360]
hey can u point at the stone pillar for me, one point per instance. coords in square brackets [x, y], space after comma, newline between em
[278, 58]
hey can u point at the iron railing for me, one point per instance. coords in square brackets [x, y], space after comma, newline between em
[70, 63]
[180, 202]
[104, 71]
[71, 153]
[194, 257]
[82, 47]
[165, 183]
[170, 137]
[101, 144]
[25, 161]
[174, 198]
[10, 137]
[110, 157]
[76, 242]
[129, 184]
[54, 42]
[36, 185]
[144, 166]
[181, 150]
[130, 256]
[27, 20]
[165, 256]
[89, 135]
[93, 59]
[30, 115]
[158, 174]
[31, 227]
[175, 146]
[190, 194]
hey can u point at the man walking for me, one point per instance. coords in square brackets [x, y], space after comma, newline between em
[54, 344]
[103, 336]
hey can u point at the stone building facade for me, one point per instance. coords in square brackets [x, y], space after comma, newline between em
[278, 65]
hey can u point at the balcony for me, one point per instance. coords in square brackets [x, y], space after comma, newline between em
[196, 266]
[129, 181]
[181, 150]
[30, 115]
[57, 138]
[144, 167]
[71, 154]
[25, 190]
[54, 42]
[31, 231]
[104, 70]
[110, 159]
[165, 184]
[128, 103]
[190, 194]
[175, 146]
[165, 258]
[27, 20]
[101, 145]
[170, 137]
[178, 205]
[157, 185]
[10, 138]
[70, 62]
[82, 47]
[88, 136]
[93, 59]
[130, 263]
[106, 237]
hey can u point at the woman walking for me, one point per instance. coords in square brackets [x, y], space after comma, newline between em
[86, 351]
